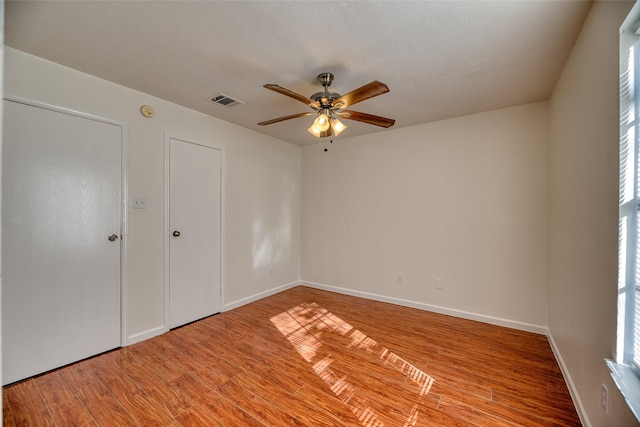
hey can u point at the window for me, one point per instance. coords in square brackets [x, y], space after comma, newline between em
[626, 368]
[628, 254]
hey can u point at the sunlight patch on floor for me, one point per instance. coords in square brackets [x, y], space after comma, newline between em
[306, 326]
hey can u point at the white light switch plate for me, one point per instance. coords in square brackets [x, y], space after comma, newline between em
[139, 203]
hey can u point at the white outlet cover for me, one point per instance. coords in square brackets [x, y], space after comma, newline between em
[606, 405]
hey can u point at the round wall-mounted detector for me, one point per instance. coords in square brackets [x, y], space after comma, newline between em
[147, 111]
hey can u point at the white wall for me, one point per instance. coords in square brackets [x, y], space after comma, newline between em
[262, 185]
[464, 200]
[584, 212]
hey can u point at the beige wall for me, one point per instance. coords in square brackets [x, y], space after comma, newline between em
[584, 212]
[262, 185]
[464, 200]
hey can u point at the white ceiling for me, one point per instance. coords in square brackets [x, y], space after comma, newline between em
[440, 59]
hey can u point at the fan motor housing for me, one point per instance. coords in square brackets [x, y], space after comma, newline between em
[325, 99]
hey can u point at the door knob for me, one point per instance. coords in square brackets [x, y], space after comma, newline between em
[113, 237]
[176, 233]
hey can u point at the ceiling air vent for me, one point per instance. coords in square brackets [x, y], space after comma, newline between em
[225, 100]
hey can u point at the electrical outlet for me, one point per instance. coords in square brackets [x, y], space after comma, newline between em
[604, 399]
[400, 278]
[439, 284]
[270, 271]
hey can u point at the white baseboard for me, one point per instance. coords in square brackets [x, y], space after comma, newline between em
[260, 295]
[514, 324]
[573, 391]
[145, 335]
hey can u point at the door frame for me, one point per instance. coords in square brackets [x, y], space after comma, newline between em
[124, 193]
[167, 226]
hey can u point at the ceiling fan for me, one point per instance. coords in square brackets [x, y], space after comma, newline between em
[328, 106]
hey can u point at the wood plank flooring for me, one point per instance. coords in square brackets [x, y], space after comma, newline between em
[306, 357]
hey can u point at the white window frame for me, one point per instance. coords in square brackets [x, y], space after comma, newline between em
[625, 369]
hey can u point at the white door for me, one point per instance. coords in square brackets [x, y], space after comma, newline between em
[195, 231]
[61, 200]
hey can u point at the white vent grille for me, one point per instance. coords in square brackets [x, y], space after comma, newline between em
[226, 100]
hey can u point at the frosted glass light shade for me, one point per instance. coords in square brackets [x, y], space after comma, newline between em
[337, 126]
[322, 123]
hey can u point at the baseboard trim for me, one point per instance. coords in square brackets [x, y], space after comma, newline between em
[150, 333]
[514, 324]
[145, 335]
[573, 391]
[259, 295]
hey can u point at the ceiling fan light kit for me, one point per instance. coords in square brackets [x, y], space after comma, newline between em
[328, 106]
[326, 125]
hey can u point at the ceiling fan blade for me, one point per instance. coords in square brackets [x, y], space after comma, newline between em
[281, 119]
[367, 91]
[367, 118]
[292, 94]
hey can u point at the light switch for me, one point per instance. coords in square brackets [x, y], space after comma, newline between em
[139, 203]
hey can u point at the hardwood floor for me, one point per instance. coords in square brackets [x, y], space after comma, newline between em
[306, 357]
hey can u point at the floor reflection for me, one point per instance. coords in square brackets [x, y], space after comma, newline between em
[332, 346]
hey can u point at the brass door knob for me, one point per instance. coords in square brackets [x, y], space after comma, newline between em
[176, 233]
[113, 237]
